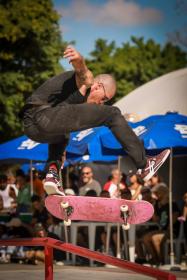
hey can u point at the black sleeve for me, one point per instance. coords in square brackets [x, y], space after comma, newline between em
[69, 93]
[59, 89]
[75, 98]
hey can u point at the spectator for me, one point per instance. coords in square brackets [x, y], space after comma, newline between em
[8, 193]
[24, 194]
[155, 179]
[11, 180]
[91, 193]
[105, 194]
[40, 213]
[4, 257]
[1, 204]
[126, 194]
[135, 187]
[55, 225]
[38, 188]
[147, 195]
[154, 240]
[88, 183]
[115, 184]
[16, 229]
[184, 212]
[36, 254]
[184, 215]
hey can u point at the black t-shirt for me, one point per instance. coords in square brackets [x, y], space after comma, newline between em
[41, 216]
[60, 88]
[163, 213]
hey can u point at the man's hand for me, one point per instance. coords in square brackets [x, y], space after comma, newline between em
[74, 57]
[84, 77]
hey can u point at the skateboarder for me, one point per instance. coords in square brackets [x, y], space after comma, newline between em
[75, 100]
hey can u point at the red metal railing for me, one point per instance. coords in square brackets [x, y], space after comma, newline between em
[50, 243]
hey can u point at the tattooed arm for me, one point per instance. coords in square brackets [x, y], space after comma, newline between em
[84, 77]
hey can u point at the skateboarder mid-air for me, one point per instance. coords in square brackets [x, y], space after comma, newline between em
[75, 100]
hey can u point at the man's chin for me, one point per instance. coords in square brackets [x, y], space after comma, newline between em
[85, 181]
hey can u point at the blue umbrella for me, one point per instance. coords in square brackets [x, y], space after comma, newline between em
[157, 132]
[22, 149]
[99, 144]
[90, 141]
[84, 146]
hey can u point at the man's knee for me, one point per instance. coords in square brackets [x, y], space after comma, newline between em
[115, 111]
[114, 116]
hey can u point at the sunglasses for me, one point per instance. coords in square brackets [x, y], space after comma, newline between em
[105, 98]
[85, 173]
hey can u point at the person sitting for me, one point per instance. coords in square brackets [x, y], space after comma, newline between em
[24, 193]
[154, 240]
[8, 194]
[40, 213]
[36, 254]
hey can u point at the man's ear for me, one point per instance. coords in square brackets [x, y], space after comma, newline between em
[96, 86]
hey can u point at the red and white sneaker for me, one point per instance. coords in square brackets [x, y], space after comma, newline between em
[52, 183]
[153, 164]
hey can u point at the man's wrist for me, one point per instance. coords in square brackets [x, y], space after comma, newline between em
[84, 76]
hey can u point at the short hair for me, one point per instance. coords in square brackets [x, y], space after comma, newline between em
[108, 81]
[87, 166]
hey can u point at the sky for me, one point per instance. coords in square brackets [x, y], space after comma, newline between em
[84, 21]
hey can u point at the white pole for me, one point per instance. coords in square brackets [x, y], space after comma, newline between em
[31, 177]
[118, 253]
[170, 207]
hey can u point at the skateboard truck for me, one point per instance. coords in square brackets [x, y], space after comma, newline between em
[125, 214]
[67, 211]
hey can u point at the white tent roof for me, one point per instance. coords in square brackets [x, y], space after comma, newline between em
[166, 93]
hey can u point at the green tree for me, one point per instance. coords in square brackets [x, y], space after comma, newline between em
[30, 50]
[135, 63]
[179, 36]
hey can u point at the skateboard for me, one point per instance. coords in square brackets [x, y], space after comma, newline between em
[84, 208]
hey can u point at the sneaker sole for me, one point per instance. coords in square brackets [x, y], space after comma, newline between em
[51, 188]
[149, 176]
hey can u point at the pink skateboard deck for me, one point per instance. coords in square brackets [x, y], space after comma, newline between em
[99, 209]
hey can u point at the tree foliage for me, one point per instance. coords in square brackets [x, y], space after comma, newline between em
[30, 50]
[31, 47]
[179, 36]
[135, 63]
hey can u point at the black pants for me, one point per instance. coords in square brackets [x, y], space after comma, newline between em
[53, 125]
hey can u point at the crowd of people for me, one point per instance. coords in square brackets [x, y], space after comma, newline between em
[17, 199]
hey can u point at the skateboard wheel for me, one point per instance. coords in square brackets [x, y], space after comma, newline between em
[124, 208]
[126, 226]
[67, 223]
[64, 204]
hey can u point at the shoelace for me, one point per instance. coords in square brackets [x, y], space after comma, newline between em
[52, 173]
[151, 164]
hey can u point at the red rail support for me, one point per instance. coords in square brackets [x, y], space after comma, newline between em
[48, 262]
[50, 243]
